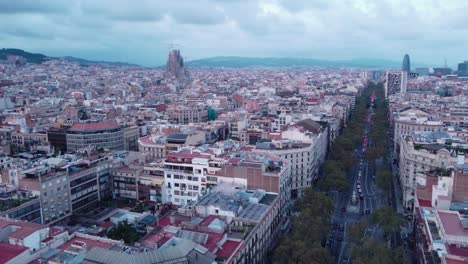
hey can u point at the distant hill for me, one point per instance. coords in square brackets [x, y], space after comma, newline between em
[90, 62]
[30, 57]
[241, 62]
[40, 58]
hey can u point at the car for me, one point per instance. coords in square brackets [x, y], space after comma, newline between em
[361, 196]
[339, 238]
[367, 211]
[341, 227]
[359, 191]
[358, 186]
[336, 225]
[343, 209]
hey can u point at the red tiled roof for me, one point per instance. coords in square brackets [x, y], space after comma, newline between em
[96, 126]
[452, 224]
[158, 239]
[8, 252]
[227, 249]
[207, 221]
[424, 203]
[89, 243]
[106, 224]
[165, 221]
[458, 251]
[53, 231]
[455, 261]
[25, 228]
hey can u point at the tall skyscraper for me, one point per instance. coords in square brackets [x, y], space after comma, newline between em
[463, 68]
[175, 65]
[406, 66]
[395, 82]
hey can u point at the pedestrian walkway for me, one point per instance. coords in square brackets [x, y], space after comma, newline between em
[397, 190]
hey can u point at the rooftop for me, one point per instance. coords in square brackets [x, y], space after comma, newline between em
[227, 249]
[89, 243]
[452, 223]
[25, 228]
[94, 126]
[9, 252]
[179, 251]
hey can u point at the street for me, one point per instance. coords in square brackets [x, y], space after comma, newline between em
[357, 203]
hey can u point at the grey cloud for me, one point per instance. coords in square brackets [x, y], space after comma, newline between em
[301, 5]
[139, 30]
[33, 6]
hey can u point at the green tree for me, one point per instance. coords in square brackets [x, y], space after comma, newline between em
[309, 230]
[388, 219]
[384, 180]
[301, 252]
[355, 232]
[124, 231]
[373, 251]
[320, 204]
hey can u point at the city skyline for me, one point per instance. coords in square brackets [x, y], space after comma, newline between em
[327, 30]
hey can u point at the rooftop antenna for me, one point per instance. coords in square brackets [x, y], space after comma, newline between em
[445, 63]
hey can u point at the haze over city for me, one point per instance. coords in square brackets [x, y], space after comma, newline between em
[140, 32]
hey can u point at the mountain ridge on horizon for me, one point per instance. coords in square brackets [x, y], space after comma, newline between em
[40, 58]
[225, 61]
[240, 62]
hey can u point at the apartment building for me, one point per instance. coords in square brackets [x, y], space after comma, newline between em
[131, 135]
[301, 156]
[422, 152]
[125, 182]
[52, 188]
[411, 120]
[20, 204]
[90, 181]
[184, 114]
[188, 174]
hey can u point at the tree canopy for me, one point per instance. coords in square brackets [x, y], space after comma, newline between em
[124, 231]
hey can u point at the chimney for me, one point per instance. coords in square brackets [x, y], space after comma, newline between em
[172, 218]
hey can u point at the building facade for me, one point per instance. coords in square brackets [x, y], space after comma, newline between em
[395, 82]
[105, 134]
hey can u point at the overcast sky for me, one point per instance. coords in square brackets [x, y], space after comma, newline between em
[140, 31]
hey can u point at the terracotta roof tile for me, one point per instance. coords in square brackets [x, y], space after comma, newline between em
[96, 126]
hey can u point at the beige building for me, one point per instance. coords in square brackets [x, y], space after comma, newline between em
[413, 120]
[182, 114]
[420, 153]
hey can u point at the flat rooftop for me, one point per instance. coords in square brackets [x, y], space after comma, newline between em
[452, 224]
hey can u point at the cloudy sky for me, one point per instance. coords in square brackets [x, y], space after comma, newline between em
[141, 31]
